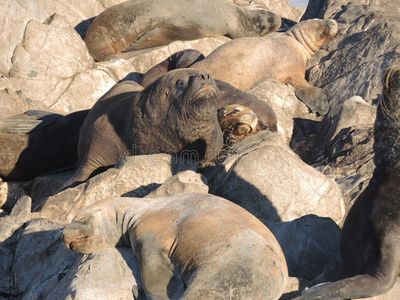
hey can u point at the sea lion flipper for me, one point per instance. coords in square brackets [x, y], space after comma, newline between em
[159, 36]
[312, 96]
[159, 276]
[19, 126]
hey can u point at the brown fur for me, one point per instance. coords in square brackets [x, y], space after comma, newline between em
[138, 24]
[189, 246]
[245, 62]
[176, 114]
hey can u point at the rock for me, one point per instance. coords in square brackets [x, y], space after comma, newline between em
[10, 192]
[6, 258]
[285, 104]
[261, 174]
[52, 48]
[134, 176]
[183, 182]
[47, 184]
[20, 214]
[309, 243]
[323, 9]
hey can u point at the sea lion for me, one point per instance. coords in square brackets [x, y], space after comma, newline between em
[37, 142]
[247, 61]
[189, 246]
[229, 95]
[138, 24]
[237, 122]
[176, 114]
[370, 239]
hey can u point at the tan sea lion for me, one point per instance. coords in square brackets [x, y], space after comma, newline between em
[138, 24]
[237, 122]
[176, 114]
[229, 95]
[370, 240]
[189, 246]
[247, 61]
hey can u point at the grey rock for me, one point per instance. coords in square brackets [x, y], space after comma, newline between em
[262, 174]
[11, 191]
[20, 214]
[134, 176]
[183, 182]
[309, 243]
[6, 257]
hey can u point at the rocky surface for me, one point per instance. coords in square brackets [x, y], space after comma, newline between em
[44, 64]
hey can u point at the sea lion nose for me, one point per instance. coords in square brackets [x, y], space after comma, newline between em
[203, 76]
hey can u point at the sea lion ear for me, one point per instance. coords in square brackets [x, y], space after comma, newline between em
[166, 92]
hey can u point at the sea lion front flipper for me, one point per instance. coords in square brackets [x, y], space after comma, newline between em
[18, 126]
[160, 278]
[159, 36]
[312, 96]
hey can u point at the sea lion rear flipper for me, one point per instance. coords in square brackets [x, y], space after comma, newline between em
[312, 96]
[19, 126]
[159, 36]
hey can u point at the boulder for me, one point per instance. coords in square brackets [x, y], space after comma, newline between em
[20, 214]
[184, 182]
[309, 243]
[135, 176]
[263, 175]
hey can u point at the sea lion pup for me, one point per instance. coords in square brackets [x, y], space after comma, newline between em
[370, 240]
[38, 142]
[237, 122]
[189, 246]
[245, 62]
[229, 95]
[138, 24]
[176, 114]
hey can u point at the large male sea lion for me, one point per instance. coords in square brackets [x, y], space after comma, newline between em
[176, 114]
[138, 24]
[247, 61]
[370, 240]
[229, 95]
[189, 246]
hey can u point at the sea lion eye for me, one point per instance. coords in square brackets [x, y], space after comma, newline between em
[182, 83]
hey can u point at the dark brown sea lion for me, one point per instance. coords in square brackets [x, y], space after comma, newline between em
[370, 240]
[138, 24]
[189, 246]
[176, 114]
[237, 122]
[228, 94]
[245, 62]
[37, 142]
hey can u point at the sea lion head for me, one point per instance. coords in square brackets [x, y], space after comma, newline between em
[237, 122]
[314, 33]
[263, 22]
[88, 231]
[184, 93]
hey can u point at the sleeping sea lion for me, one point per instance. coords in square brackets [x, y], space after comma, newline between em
[370, 240]
[189, 246]
[138, 24]
[247, 61]
[237, 122]
[176, 114]
[229, 95]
